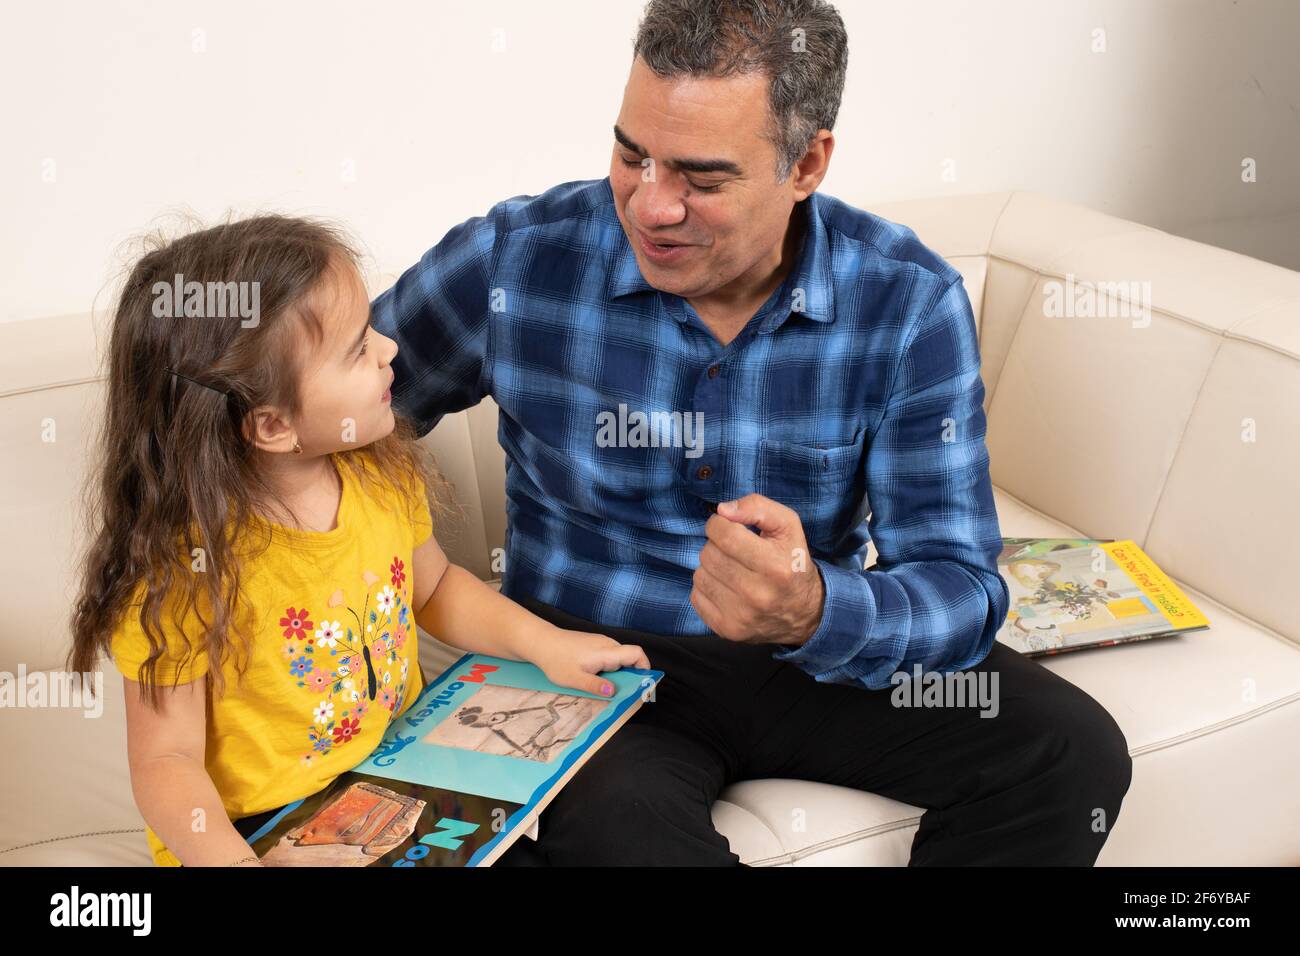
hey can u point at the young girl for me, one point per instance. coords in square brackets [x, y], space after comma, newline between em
[262, 546]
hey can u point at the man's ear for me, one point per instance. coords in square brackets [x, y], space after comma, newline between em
[809, 172]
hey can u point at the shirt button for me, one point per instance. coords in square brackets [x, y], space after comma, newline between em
[713, 371]
[704, 472]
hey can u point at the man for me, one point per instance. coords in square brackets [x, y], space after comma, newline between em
[706, 372]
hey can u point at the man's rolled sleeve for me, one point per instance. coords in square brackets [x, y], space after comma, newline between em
[935, 596]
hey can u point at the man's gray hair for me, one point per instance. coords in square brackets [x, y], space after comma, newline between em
[800, 45]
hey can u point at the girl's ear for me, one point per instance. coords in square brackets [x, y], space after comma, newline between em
[268, 430]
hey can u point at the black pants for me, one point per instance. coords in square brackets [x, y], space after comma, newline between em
[1040, 783]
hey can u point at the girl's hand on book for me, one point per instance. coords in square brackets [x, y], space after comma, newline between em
[576, 658]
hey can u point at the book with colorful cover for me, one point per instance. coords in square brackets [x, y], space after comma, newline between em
[461, 775]
[1072, 593]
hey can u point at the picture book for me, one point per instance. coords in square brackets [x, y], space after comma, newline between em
[461, 775]
[1072, 593]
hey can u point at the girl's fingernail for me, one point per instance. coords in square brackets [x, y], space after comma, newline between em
[607, 689]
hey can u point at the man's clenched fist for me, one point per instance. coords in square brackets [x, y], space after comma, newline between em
[759, 589]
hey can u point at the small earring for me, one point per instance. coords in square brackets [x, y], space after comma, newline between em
[297, 449]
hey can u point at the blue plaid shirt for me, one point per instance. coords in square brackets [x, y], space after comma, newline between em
[853, 396]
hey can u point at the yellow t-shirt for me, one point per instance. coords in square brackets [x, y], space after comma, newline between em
[304, 712]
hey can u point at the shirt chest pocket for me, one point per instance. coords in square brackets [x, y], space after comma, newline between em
[822, 482]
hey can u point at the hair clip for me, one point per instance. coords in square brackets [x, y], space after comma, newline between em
[223, 391]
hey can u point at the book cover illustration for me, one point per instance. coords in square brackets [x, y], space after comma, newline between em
[353, 827]
[461, 775]
[1071, 593]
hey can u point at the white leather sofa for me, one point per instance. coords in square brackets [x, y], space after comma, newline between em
[1182, 433]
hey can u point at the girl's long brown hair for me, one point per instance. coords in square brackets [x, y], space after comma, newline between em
[175, 470]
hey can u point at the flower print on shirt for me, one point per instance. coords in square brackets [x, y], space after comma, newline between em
[352, 663]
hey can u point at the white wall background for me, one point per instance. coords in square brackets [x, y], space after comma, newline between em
[405, 118]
